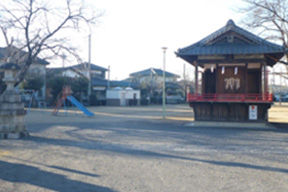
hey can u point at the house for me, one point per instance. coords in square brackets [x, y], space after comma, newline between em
[37, 68]
[234, 79]
[81, 70]
[153, 74]
[99, 83]
[150, 81]
[98, 74]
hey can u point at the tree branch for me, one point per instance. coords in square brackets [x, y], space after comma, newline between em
[31, 20]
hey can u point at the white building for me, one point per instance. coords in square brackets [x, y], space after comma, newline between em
[123, 97]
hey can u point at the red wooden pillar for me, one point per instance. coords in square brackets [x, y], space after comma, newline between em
[265, 79]
[196, 77]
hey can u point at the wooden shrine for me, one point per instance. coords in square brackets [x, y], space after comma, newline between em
[231, 78]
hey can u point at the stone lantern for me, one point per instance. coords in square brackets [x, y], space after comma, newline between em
[12, 113]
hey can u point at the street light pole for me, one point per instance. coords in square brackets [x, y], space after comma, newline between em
[89, 69]
[108, 82]
[163, 91]
[63, 56]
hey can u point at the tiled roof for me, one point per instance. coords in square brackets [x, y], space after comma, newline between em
[5, 66]
[240, 42]
[99, 82]
[120, 84]
[113, 83]
[93, 66]
[78, 66]
[4, 53]
[153, 71]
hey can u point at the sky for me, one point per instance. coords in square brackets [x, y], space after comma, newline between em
[131, 34]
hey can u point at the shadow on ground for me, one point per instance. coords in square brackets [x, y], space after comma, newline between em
[281, 126]
[19, 173]
[130, 151]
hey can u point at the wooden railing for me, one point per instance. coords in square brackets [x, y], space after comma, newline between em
[259, 97]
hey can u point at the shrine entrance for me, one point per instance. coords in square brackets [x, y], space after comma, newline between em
[231, 65]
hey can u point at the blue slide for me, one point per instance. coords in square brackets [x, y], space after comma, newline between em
[79, 106]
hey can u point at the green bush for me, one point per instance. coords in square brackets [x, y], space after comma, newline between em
[33, 83]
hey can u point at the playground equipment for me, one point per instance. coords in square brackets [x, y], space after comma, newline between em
[30, 97]
[34, 96]
[66, 94]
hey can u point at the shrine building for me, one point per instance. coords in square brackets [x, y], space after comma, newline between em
[231, 77]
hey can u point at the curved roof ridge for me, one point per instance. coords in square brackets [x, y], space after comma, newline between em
[231, 26]
[153, 70]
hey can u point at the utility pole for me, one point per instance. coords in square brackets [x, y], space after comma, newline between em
[108, 82]
[163, 89]
[89, 69]
[63, 57]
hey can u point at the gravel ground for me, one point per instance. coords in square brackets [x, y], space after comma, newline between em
[133, 149]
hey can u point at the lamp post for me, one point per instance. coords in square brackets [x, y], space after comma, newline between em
[108, 82]
[63, 56]
[163, 91]
[12, 113]
[89, 70]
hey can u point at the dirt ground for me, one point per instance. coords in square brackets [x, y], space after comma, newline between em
[133, 149]
[279, 113]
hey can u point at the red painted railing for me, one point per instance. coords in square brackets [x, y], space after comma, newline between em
[230, 97]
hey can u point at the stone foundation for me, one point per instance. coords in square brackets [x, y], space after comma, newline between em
[12, 113]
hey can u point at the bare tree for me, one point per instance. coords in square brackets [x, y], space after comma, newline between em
[187, 85]
[34, 27]
[270, 17]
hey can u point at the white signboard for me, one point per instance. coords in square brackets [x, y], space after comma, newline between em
[253, 112]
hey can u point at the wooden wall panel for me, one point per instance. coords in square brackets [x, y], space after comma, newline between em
[220, 112]
[209, 81]
[229, 82]
[202, 112]
[238, 112]
[254, 81]
[233, 112]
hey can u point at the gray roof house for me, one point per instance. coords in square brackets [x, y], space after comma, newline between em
[18, 56]
[153, 71]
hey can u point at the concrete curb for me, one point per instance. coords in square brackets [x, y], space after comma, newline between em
[230, 124]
